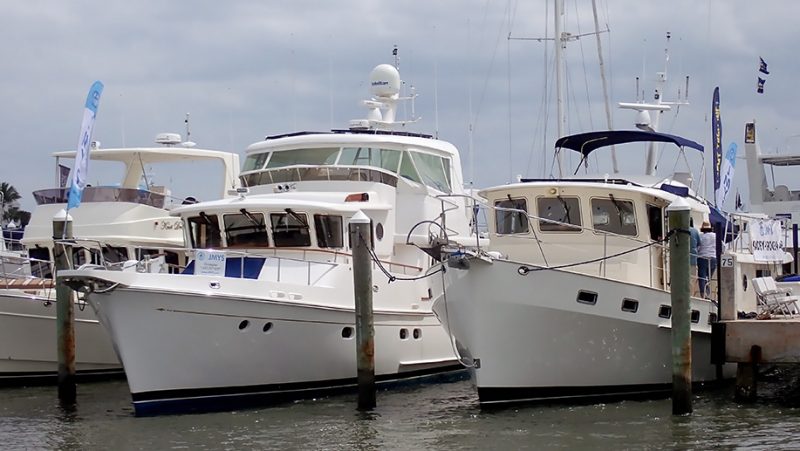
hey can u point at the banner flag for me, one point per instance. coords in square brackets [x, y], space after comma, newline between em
[760, 88]
[762, 66]
[81, 169]
[716, 140]
[728, 166]
[63, 175]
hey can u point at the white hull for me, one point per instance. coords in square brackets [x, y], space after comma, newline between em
[534, 341]
[28, 341]
[183, 350]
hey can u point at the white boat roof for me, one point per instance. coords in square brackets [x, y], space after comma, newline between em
[339, 138]
[328, 201]
[150, 154]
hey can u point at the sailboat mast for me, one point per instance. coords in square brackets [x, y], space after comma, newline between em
[559, 41]
[605, 83]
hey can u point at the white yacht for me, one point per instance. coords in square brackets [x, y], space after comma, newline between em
[571, 299]
[127, 221]
[265, 310]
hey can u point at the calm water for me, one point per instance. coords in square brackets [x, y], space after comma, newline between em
[431, 417]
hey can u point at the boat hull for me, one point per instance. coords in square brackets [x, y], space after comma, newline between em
[185, 351]
[28, 353]
[532, 340]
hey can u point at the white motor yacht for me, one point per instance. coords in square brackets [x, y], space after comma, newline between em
[264, 312]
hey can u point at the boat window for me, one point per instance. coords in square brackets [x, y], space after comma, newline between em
[655, 221]
[319, 156]
[78, 257]
[559, 214]
[112, 254]
[329, 230]
[40, 262]
[204, 231]
[613, 215]
[432, 170]
[509, 222]
[407, 169]
[290, 229]
[255, 161]
[245, 229]
[368, 156]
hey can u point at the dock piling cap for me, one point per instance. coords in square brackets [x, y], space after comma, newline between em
[62, 216]
[679, 204]
[359, 218]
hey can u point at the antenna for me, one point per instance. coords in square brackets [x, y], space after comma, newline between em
[396, 58]
[186, 121]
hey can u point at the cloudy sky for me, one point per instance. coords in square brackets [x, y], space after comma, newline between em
[247, 69]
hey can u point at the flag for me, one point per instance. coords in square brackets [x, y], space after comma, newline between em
[738, 201]
[63, 175]
[762, 67]
[761, 82]
[728, 165]
[82, 156]
[716, 140]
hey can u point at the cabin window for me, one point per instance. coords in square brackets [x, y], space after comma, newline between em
[630, 305]
[559, 214]
[40, 262]
[204, 231]
[78, 257]
[665, 311]
[290, 229]
[614, 216]
[329, 230]
[368, 156]
[587, 297]
[407, 169]
[113, 254]
[245, 229]
[255, 161]
[434, 170]
[319, 156]
[655, 221]
[695, 316]
[511, 216]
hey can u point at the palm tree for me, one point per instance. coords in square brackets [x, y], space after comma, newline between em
[8, 195]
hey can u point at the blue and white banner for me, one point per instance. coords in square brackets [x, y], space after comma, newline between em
[81, 168]
[716, 140]
[726, 175]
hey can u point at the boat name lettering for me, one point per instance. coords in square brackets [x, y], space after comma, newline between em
[169, 225]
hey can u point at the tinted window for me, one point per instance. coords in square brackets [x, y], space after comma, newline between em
[319, 156]
[255, 161]
[204, 231]
[329, 230]
[367, 156]
[290, 230]
[507, 220]
[431, 169]
[407, 169]
[559, 214]
[245, 229]
[113, 254]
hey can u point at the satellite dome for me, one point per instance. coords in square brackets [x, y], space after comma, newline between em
[384, 81]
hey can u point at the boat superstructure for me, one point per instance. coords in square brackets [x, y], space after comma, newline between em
[265, 309]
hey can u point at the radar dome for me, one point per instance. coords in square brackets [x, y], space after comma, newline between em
[384, 81]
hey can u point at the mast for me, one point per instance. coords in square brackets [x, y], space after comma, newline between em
[559, 41]
[605, 84]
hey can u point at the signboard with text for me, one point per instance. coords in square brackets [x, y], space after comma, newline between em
[209, 263]
[766, 240]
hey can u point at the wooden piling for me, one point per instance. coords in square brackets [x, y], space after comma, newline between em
[65, 313]
[680, 298]
[360, 239]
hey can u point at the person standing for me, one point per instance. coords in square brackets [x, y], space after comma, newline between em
[694, 243]
[707, 258]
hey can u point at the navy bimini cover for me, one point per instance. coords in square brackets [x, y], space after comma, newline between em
[586, 143]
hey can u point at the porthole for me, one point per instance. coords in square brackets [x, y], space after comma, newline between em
[417, 334]
[695, 316]
[587, 297]
[244, 324]
[379, 231]
[404, 334]
[712, 318]
[630, 305]
[665, 311]
[347, 332]
[267, 327]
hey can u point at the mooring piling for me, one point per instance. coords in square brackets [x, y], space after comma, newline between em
[360, 239]
[680, 298]
[65, 310]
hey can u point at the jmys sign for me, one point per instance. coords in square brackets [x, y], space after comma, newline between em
[766, 240]
[209, 263]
